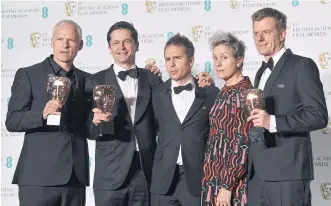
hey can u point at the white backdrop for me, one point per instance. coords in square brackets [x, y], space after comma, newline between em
[27, 29]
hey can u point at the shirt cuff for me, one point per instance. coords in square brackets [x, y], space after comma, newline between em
[272, 126]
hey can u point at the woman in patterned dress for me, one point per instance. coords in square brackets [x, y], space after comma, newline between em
[225, 165]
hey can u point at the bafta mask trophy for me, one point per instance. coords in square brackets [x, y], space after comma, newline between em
[104, 98]
[254, 99]
[58, 88]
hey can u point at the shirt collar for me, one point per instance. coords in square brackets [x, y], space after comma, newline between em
[278, 55]
[175, 84]
[56, 67]
[117, 68]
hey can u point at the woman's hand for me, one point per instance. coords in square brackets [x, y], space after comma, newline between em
[224, 197]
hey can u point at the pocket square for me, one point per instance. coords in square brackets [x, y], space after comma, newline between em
[280, 86]
[204, 108]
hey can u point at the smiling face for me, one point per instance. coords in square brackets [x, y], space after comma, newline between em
[123, 47]
[268, 38]
[65, 44]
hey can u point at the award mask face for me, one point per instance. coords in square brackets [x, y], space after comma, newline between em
[104, 97]
[58, 88]
[253, 99]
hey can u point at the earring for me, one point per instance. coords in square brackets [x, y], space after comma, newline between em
[238, 65]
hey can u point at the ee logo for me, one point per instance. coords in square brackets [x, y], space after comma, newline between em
[125, 8]
[44, 12]
[208, 67]
[207, 4]
[88, 40]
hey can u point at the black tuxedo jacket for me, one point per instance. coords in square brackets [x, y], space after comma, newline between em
[294, 94]
[114, 153]
[191, 134]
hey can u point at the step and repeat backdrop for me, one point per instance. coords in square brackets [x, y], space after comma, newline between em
[27, 31]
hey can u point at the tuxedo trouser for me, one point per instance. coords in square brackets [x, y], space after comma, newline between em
[133, 192]
[178, 194]
[282, 193]
[71, 194]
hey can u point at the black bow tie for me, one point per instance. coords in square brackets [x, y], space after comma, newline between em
[179, 89]
[269, 65]
[132, 73]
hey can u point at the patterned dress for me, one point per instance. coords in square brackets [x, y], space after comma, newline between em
[225, 163]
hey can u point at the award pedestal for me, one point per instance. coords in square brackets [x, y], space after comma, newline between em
[54, 119]
[107, 128]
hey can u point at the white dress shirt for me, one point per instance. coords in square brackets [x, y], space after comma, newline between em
[129, 88]
[182, 103]
[264, 78]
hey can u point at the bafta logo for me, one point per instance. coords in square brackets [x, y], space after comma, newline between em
[34, 39]
[234, 4]
[69, 8]
[197, 32]
[325, 60]
[150, 6]
[326, 190]
[324, 1]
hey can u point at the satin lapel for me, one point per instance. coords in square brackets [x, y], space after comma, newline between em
[167, 105]
[275, 72]
[197, 103]
[120, 105]
[143, 95]
[258, 77]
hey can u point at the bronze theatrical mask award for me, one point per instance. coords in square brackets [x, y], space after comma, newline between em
[58, 88]
[104, 98]
[253, 99]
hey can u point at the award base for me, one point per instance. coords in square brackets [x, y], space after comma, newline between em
[259, 134]
[106, 128]
[256, 134]
[54, 119]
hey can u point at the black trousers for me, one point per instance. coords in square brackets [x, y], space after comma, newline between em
[71, 194]
[133, 192]
[283, 193]
[178, 194]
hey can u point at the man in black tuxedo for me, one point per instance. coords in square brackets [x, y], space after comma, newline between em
[280, 160]
[123, 160]
[182, 110]
[53, 165]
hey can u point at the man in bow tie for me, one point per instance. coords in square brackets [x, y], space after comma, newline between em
[181, 108]
[123, 160]
[280, 164]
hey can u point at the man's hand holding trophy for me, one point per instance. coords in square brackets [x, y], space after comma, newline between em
[254, 109]
[104, 98]
[58, 89]
[253, 99]
[254, 102]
